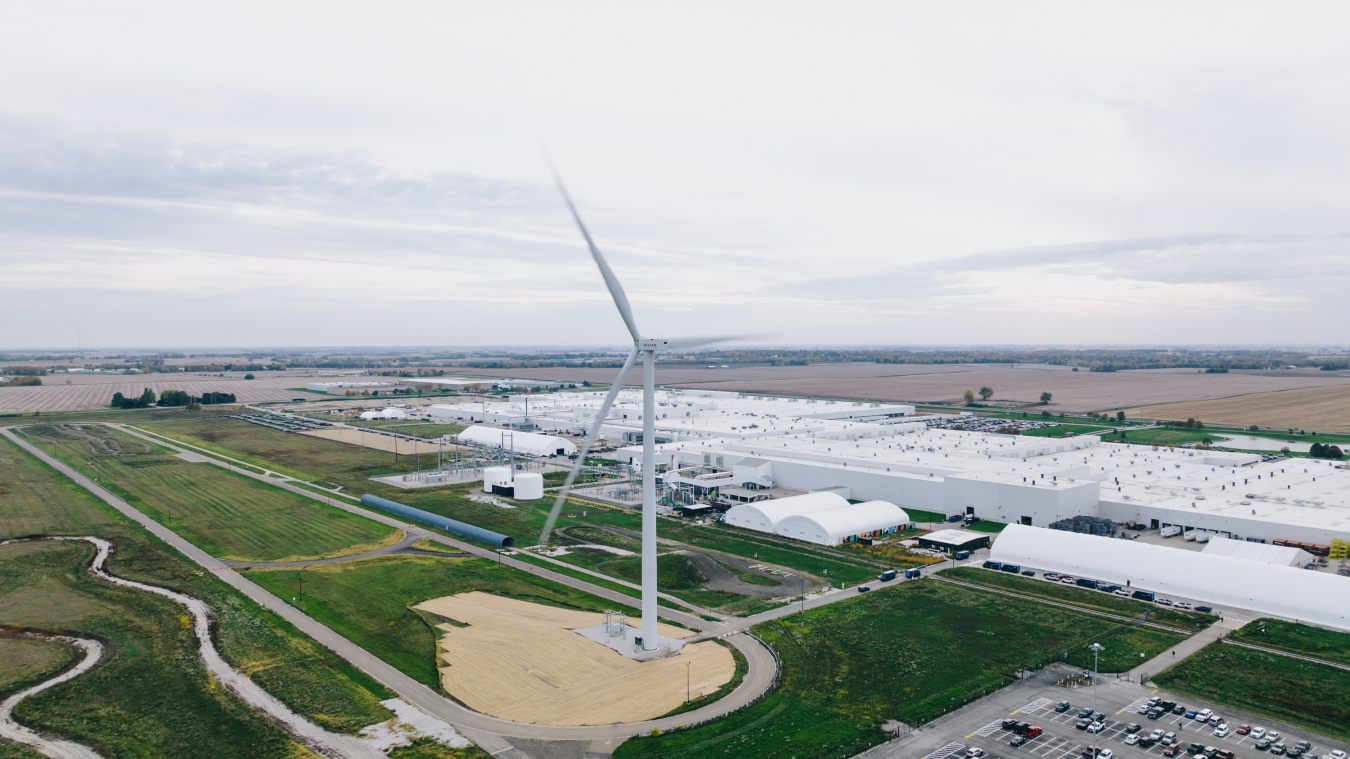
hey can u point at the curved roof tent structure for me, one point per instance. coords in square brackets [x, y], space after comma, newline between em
[1281, 591]
[832, 527]
[765, 515]
[527, 443]
[1287, 556]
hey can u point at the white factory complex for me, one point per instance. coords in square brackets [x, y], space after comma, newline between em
[749, 448]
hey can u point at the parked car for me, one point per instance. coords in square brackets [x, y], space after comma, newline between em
[1096, 727]
[1210, 751]
[887, 576]
[1162, 602]
[1008, 724]
[1051, 576]
[1167, 705]
[1144, 709]
[1181, 605]
[1224, 753]
[1192, 714]
[1278, 749]
[1154, 713]
[1155, 735]
[1274, 736]
[1170, 738]
[1122, 592]
[1085, 712]
[1032, 731]
[1204, 714]
[1133, 727]
[1066, 580]
[1028, 573]
[1130, 740]
[1262, 744]
[1295, 752]
[1062, 706]
[1146, 742]
[1099, 717]
[1337, 754]
[1215, 720]
[1303, 746]
[1155, 701]
[1244, 730]
[1195, 748]
[973, 752]
[1204, 609]
[864, 588]
[1172, 750]
[1108, 588]
[1180, 710]
[1221, 732]
[1258, 732]
[1082, 724]
[1018, 740]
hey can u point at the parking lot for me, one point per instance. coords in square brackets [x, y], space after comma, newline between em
[979, 725]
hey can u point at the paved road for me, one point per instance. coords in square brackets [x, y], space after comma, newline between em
[479, 727]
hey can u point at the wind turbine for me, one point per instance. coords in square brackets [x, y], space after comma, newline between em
[648, 347]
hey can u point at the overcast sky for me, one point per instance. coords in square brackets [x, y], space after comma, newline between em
[251, 174]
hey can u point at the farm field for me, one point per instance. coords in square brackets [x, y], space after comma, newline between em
[152, 696]
[370, 601]
[1059, 430]
[1314, 408]
[95, 391]
[944, 383]
[912, 653]
[1169, 436]
[1300, 639]
[224, 513]
[1088, 599]
[374, 442]
[1314, 696]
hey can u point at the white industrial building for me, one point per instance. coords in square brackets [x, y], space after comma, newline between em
[1260, 586]
[825, 518]
[523, 443]
[341, 387]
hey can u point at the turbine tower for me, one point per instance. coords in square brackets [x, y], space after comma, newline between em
[648, 347]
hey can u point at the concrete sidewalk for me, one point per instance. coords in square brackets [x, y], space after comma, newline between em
[1165, 660]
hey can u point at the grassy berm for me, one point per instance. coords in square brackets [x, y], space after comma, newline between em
[1088, 599]
[151, 697]
[911, 653]
[1314, 696]
[1300, 639]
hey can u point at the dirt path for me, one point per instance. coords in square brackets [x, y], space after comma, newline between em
[53, 747]
[316, 738]
[403, 546]
[720, 579]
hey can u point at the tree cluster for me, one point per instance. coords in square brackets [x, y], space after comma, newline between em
[22, 381]
[145, 399]
[1324, 451]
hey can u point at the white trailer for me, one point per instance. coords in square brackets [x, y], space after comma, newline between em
[1170, 530]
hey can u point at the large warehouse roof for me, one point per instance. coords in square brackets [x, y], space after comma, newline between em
[833, 526]
[528, 443]
[1281, 591]
[765, 515]
[1286, 556]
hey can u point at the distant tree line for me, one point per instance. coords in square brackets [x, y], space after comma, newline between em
[22, 381]
[1335, 366]
[170, 398]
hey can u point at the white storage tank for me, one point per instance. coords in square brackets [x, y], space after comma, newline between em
[496, 475]
[529, 486]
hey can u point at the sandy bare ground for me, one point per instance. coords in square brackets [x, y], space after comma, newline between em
[521, 661]
[318, 739]
[53, 747]
[1317, 408]
[1024, 383]
[372, 440]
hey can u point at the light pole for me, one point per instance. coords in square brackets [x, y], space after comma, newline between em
[1096, 650]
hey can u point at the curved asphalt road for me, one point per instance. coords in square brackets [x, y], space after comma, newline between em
[481, 728]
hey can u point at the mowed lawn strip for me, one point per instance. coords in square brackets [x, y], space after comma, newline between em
[150, 695]
[226, 514]
[370, 601]
[289, 453]
[1084, 597]
[1302, 693]
[1296, 638]
[911, 653]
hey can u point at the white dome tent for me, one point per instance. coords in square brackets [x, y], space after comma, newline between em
[389, 413]
[834, 526]
[1265, 588]
[764, 516]
[524, 443]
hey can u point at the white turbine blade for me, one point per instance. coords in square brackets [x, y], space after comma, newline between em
[611, 281]
[586, 447]
[688, 343]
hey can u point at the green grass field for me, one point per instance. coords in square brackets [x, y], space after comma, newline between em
[151, 696]
[1084, 597]
[1169, 436]
[911, 653]
[919, 515]
[984, 525]
[1302, 693]
[369, 601]
[1077, 429]
[1300, 639]
[226, 514]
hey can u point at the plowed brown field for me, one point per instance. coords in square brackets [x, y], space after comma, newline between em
[1314, 408]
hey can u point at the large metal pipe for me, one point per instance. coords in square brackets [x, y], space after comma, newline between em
[436, 520]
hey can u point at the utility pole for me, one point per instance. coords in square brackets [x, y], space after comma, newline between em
[1096, 649]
